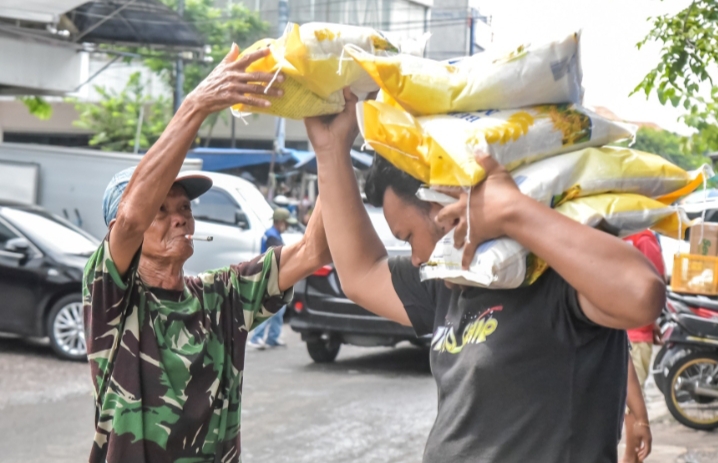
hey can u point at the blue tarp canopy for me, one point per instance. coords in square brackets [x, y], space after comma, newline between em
[216, 159]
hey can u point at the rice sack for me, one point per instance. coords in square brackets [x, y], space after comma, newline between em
[440, 150]
[527, 76]
[503, 263]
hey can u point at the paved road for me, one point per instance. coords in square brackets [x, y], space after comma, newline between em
[371, 406]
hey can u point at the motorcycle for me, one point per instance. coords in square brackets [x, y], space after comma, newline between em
[686, 368]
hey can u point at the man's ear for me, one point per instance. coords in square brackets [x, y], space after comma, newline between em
[112, 223]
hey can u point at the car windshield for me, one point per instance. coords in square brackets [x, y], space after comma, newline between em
[376, 215]
[51, 232]
[260, 206]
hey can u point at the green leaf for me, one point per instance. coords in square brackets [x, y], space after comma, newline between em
[37, 106]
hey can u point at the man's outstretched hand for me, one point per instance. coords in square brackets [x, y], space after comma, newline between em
[230, 83]
[329, 134]
[489, 203]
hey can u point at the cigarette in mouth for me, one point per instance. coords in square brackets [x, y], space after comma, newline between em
[199, 238]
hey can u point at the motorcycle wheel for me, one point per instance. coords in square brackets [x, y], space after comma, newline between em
[670, 357]
[690, 409]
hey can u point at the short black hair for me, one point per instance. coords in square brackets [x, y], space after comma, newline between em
[383, 175]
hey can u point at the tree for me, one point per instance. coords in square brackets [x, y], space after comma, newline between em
[683, 74]
[219, 28]
[115, 118]
[37, 106]
[668, 145]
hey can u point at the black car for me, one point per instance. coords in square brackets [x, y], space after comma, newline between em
[42, 257]
[327, 319]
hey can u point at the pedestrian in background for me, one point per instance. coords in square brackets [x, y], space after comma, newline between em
[642, 341]
[267, 334]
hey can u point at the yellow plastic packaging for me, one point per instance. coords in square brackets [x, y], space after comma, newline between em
[440, 150]
[527, 76]
[503, 263]
[316, 69]
[298, 101]
[315, 54]
[609, 169]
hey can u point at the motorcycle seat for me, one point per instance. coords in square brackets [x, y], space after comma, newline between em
[695, 301]
[700, 326]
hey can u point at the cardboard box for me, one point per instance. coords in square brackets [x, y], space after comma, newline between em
[705, 243]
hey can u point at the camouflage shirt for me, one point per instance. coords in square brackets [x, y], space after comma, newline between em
[167, 374]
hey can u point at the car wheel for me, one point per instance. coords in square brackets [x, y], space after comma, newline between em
[66, 328]
[323, 350]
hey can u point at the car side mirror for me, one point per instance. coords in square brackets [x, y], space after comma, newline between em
[20, 245]
[240, 218]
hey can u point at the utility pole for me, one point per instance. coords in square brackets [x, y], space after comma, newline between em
[281, 123]
[472, 39]
[179, 66]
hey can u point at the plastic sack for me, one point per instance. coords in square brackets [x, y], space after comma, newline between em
[503, 263]
[298, 101]
[528, 76]
[314, 54]
[312, 58]
[440, 150]
[593, 171]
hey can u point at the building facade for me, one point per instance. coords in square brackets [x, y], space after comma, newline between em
[457, 27]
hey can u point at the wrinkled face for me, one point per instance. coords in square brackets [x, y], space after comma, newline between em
[166, 237]
[412, 224]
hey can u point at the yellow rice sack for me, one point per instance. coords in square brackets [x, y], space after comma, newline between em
[440, 150]
[527, 76]
[503, 263]
[298, 101]
[315, 56]
[316, 70]
[593, 171]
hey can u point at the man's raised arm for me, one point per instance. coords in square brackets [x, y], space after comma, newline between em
[228, 84]
[359, 255]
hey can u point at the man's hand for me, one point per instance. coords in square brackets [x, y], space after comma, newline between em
[486, 205]
[335, 134]
[230, 83]
[642, 439]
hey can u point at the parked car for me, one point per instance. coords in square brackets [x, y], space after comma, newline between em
[236, 215]
[326, 319]
[42, 257]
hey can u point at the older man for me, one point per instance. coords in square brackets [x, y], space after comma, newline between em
[166, 351]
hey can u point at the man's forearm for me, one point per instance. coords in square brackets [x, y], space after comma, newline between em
[158, 169]
[634, 395]
[617, 280]
[355, 245]
[301, 259]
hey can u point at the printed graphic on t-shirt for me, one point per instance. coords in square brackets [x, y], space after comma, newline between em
[453, 339]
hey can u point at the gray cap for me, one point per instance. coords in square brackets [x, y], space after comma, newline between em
[283, 215]
[195, 185]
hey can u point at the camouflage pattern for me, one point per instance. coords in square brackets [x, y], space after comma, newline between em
[167, 375]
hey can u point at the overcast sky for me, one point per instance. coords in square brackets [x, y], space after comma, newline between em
[612, 66]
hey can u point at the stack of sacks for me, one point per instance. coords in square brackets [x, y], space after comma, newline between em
[551, 144]
[312, 58]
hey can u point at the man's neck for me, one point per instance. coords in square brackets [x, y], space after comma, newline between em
[162, 274]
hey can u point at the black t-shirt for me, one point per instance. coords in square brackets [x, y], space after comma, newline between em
[522, 374]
